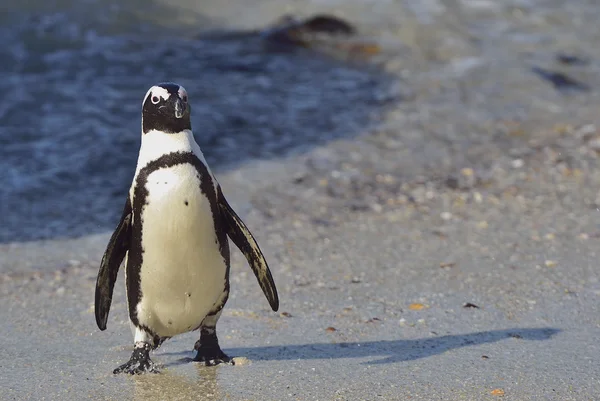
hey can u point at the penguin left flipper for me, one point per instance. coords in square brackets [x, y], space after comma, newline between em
[109, 267]
[243, 239]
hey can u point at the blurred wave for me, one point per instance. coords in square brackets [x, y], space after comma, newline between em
[74, 74]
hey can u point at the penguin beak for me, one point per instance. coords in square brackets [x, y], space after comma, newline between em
[180, 107]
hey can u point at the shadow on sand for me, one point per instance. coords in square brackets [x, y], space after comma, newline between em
[390, 351]
[203, 384]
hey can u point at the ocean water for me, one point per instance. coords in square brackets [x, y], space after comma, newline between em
[73, 75]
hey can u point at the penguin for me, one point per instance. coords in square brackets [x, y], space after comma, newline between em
[173, 234]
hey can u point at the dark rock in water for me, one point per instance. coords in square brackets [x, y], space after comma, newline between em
[328, 24]
[290, 31]
[325, 24]
[560, 81]
[321, 32]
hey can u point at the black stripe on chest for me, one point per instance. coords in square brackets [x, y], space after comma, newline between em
[135, 258]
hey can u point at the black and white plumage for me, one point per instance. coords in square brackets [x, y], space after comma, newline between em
[173, 235]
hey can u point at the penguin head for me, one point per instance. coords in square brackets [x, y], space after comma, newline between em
[166, 109]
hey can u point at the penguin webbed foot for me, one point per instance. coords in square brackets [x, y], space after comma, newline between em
[209, 353]
[212, 358]
[139, 362]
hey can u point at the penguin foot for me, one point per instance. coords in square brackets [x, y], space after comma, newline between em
[212, 358]
[139, 362]
[209, 352]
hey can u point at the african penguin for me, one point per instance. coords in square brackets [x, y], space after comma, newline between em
[173, 236]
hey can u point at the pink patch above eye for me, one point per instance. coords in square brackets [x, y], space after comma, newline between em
[183, 94]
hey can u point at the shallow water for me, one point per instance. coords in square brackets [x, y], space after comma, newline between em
[75, 73]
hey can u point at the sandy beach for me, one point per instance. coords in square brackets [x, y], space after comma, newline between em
[430, 209]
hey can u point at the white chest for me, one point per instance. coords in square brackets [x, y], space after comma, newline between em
[182, 273]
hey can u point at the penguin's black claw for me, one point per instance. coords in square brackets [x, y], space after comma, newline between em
[212, 358]
[139, 362]
[137, 367]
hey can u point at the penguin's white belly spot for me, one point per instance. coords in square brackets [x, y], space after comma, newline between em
[182, 273]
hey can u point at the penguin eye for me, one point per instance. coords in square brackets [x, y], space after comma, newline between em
[155, 99]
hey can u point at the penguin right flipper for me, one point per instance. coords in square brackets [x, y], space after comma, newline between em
[243, 239]
[109, 267]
